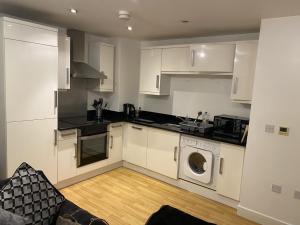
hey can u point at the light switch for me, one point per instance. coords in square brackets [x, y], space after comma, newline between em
[269, 128]
[276, 188]
[284, 131]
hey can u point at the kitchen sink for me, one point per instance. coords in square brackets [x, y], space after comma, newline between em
[172, 125]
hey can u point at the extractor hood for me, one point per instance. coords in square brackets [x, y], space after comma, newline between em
[79, 58]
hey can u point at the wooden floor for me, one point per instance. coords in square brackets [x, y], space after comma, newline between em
[125, 197]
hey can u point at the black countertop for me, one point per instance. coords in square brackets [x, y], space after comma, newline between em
[158, 120]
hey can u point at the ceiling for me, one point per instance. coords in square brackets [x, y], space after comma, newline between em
[154, 19]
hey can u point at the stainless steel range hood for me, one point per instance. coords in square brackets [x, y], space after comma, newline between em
[79, 60]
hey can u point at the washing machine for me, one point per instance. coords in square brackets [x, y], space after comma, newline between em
[199, 161]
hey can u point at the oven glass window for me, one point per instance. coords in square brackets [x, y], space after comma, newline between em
[93, 149]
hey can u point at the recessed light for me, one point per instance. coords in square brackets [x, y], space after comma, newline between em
[129, 28]
[74, 11]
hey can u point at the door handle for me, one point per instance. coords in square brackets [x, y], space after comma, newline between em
[111, 141]
[175, 153]
[157, 81]
[137, 128]
[75, 152]
[68, 76]
[55, 137]
[221, 166]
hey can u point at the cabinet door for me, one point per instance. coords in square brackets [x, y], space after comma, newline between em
[244, 70]
[230, 171]
[176, 59]
[66, 160]
[33, 142]
[163, 152]
[212, 58]
[150, 72]
[135, 149]
[63, 62]
[31, 81]
[107, 66]
[115, 143]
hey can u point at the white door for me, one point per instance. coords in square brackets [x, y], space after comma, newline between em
[115, 143]
[150, 71]
[163, 152]
[66, 159]
[31, 81]
[212, 58]
[230, 170]
[107, 66]
[33, 142]
[244, 70]
[176, 59]
[135, 149]
[64, 62]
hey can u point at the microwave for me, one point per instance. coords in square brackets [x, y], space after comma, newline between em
[234, 128]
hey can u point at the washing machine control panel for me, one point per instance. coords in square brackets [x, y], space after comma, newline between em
[201, 144]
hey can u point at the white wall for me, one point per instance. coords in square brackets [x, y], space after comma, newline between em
[271, 158]
[190, 94]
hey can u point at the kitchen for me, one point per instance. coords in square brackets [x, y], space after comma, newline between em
[176, 110]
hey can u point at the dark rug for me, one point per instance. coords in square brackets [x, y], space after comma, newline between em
[168, 215]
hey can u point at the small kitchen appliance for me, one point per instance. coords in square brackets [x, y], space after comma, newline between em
[129, 111]
[231, 127]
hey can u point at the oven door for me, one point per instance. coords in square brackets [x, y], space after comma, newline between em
[92, 149]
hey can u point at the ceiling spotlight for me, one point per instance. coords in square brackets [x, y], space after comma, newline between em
[73, 11]
[129, 28]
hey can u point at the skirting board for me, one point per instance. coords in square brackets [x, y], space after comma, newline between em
[258, 217]
[88, 175]
[205, 192]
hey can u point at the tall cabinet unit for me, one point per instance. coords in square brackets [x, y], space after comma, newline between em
[29, 73]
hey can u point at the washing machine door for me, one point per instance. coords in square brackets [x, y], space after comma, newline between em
[198, 165]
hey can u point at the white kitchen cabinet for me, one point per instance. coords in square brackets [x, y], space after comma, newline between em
[152, 82]
[67, 152]
[176, 60]
[30, 80]
[64, 59]
[212, 58]
[101, 57]
[163, 152]
[35, 143]
[244, 70]
[230, 170]
[135, 146]
[115, 142]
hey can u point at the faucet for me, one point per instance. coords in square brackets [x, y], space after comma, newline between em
[183, 120]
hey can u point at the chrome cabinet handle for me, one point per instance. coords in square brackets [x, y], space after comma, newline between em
[157, 81]
[111, 141]
[68, 76]
[193, 57]
[67, 134]
[75, 152]
[55, 101]
[175, 153]
[116, 126]
[55, 137]
[221, 166]
[137, 128]
[235, 85]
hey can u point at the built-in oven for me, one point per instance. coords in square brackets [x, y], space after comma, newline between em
[92, 144]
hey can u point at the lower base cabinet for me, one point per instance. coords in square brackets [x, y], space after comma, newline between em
[115, 143]
[136, 140]
[230, 171]
[67, 151]
[163, 152]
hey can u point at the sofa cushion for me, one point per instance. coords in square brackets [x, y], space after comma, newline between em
[8, 218]
[28, 193]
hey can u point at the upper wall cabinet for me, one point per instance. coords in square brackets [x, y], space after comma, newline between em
[151, 80]
[101, 57]
[176, 60]
[212, 58]
[63, 62]
[244, 70]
